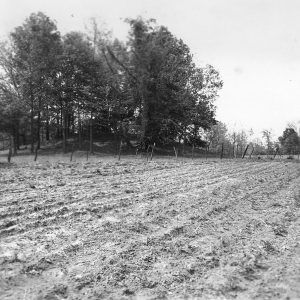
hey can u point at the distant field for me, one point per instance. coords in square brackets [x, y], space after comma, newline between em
[166, 229]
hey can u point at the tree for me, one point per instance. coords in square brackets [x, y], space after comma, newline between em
[35, 47]
[119, 113]
[73, 82]
[290, 140]
[267, 136]
[12, 112]
[173, 98]
[203, 89]
[88, 84]
[241, 141]
[12, 115]
[258, 146]
[217, 135]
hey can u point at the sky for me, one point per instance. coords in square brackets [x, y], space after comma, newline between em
[254, 44]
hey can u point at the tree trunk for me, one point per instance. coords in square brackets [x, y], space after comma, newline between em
[57, 126]
[31, 126]
[68, 125]
[38, 134]
[91, 135]
[145, 118]
[9, 150]
[17, 136]
[193, 148]
[79, 131]
[62, 116]
[13, 144]
[47, 125]
[64, 121]
[222, 150]
[73, 124]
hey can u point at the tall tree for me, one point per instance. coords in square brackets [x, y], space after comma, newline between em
[169, 90]
[217, 135]
[290, 141]
[267, 136]
[89, 83]
[12, 108]
[36, 45]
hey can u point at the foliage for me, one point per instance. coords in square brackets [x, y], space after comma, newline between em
[88, 84]
[290, 141]
[267, 136]
[174, 98]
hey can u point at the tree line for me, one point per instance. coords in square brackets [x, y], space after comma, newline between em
[236, 143]
[86, 85]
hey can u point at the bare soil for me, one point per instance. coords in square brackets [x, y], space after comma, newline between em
[159, 230]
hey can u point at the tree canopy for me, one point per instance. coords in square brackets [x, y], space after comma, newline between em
[290, 141]
[88, 85]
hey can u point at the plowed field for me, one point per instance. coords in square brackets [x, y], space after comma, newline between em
[158, 230]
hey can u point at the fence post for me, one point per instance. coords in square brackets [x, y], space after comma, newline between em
[245, 151]
[176, 154]
[36, 153]
[120, 149]
[152, 152]
[147, 154]
[72, 152]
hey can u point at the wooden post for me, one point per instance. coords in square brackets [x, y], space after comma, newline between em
[148, 152]
[72, 152]
[120, 149]
[222, 150]
[175, 152]
[245, 151]
[91, 135]
[36, 152]
[152, 152]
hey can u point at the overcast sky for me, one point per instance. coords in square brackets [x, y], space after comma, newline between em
[255, 45]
